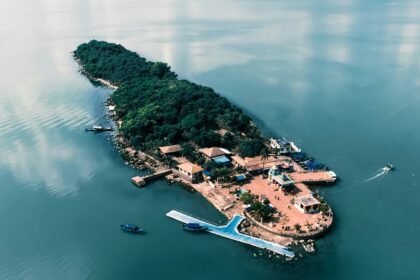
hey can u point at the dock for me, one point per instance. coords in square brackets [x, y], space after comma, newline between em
[230, 231]
[313, 177]
[141, 181]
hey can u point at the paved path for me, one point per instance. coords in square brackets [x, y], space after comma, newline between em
[230, 231]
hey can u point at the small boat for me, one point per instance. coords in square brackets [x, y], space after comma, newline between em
[131, 228]
[98, 128]
[194, 227]
[388, 168]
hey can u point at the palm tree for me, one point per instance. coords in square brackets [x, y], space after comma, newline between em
[264, 156]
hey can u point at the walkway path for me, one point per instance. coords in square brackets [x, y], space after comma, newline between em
[230, 231]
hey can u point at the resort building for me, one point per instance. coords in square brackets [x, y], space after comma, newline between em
[213, 152]
[189, 171]
[256, 164]
[275, 176]
[307, 204]
[283, 145]
[166, 150]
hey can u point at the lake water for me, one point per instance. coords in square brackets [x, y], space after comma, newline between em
[340, 78]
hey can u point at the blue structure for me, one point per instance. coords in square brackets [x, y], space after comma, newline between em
[311, 165]
[298, 156]
[207, 173]
[240, 178]
[221, 160]
[230, 231]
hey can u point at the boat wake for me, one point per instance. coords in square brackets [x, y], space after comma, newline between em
[381, 173]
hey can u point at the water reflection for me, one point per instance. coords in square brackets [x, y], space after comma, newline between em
[328, 74]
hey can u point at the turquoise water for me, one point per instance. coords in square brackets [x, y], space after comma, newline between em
[340, 79]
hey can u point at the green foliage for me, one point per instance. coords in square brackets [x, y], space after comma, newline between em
[250, 147]
[114, 63]
[187, 149]
[159, 109]
[222, 172]
[262, 211]
[228, 141]
[247, 198]
[324, 208]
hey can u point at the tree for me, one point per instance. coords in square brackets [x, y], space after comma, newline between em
[228, 140]
[264, 212]
[264, 155]
[159, 69]
[187, 149]
[222, 172]
[247, 198]
[250, 147]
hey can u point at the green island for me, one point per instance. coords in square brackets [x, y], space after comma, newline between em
[194, 136]
[159, 109]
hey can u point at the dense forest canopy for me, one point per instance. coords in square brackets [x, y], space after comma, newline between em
[159, 109]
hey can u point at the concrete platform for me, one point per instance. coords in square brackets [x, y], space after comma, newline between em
[230, 231]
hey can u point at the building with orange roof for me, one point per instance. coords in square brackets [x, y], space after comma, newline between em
[212, 152]
[189, 171]
[256, 164]
[166, 150]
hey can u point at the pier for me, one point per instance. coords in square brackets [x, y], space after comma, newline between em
[313, 177]
[141, 181]
[230, 230]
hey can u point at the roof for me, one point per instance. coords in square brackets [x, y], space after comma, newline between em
[214, 152]
[190, 167]
[221, 159]
[170, 149]
[283, 179]
[222, 131]
[256, 163]
[307, 200]
[281, 141]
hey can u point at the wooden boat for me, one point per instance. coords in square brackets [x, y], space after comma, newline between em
[98, 128]
[194, 227]
[131, 228]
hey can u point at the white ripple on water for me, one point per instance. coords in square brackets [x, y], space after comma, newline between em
[35, 158]
[72, 264]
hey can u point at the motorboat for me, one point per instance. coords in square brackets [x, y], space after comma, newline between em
[131, 228]
[194, 227]
[388, 168]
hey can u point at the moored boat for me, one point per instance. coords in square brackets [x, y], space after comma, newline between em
[131, 228]
[98, 128]
[194, 227]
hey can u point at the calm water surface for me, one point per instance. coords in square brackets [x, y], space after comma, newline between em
[341, 78]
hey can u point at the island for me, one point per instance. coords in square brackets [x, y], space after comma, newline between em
[196, 137]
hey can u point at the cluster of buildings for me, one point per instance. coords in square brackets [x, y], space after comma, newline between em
[278, 167]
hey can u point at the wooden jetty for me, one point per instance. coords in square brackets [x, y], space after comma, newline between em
[141, 181]
[230, 231]
[313, 177]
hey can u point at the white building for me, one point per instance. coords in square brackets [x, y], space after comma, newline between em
[283, 145]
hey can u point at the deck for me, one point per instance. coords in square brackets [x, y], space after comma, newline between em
[311, 177]
[230, 231]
